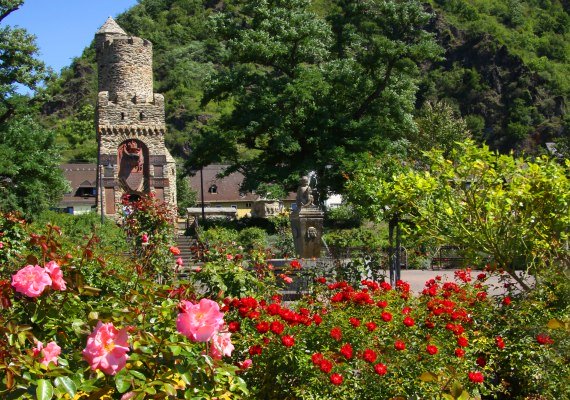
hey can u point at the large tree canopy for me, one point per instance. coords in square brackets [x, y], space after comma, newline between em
[312, 94]
[30, 178]
[18, 62]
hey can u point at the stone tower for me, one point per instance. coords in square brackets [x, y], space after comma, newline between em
[133, 159]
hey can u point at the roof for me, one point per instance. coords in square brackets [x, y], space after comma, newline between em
[111, 27]
[227, 188]
[81, 175]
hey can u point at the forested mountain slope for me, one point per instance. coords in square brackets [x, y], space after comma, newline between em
[504, 68]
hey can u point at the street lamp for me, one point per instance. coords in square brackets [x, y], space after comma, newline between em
[106, 171]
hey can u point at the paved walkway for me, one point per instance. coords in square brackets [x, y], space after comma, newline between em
[417, 279]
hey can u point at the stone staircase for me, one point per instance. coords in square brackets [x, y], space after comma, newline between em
[185, 244]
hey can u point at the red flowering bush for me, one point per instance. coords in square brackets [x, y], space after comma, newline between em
[375, 341]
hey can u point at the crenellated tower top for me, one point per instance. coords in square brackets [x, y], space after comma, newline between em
[124, 63]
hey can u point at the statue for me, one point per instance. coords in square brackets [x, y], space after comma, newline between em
[304, 194]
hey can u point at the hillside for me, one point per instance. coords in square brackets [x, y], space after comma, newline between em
[504, 69]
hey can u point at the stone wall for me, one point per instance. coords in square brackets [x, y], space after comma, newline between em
[147, 112]
[125, 67]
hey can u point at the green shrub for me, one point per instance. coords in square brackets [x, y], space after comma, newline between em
[253, 238]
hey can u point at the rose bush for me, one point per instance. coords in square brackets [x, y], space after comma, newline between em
[62, 337]
[378, 342]
[102, 343]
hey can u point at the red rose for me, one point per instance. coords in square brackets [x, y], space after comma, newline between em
[336, 379]
[317, 358]
[409, 321]
[380, 369]
[382, 304]
[507, 301]
[500, 342]
[543, 338]
[462, 341]
[326, 366]
[431, 349]
[288, 341]
[262, 327]
[255, 350]
[406, 310]
[386, 316]
[369, 355]
[459, 352]
[234, 326]
[399, 345]
[476, 377]
[346, 351]
[317, 319]
[336, 333]
[277, 327]
[371, 326]
[273, 309]
[322, 280]
[481, 361]
[355, 322]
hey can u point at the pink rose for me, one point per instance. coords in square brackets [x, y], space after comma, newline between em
[49, 352]
[31, 280]
[174, 250]
[107, 348]
[144, 238]
[221, 346]
[54, 271]
[199, 322]
[245, 364]
[179, 261]
[1, 245]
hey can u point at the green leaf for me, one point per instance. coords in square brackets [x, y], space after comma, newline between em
[428, 377]
[137, 374]
[65, 383]
[456, 389]
[464, 396]
[44, 391]
[122, 382]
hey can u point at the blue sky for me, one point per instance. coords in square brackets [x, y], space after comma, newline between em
[63, 28]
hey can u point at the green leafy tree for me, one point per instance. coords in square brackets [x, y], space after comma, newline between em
[438, 127]
[310, 94]
[31, 180]
[19, 66]
[511, 212]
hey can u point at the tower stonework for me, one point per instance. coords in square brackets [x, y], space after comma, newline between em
[130, 123]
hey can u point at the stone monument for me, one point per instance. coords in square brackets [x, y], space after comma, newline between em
[130, 123]
[306, 223]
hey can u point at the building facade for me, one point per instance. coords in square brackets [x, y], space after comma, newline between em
[130, 123]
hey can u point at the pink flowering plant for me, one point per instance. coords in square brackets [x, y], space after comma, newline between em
[62, 338]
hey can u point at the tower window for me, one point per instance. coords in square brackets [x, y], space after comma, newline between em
[141, 115]
[213, 189]
[122, 116]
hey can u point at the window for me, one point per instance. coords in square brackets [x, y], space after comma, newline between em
[234, 206]
[248, 205]
[158, 171]
[213, 189]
